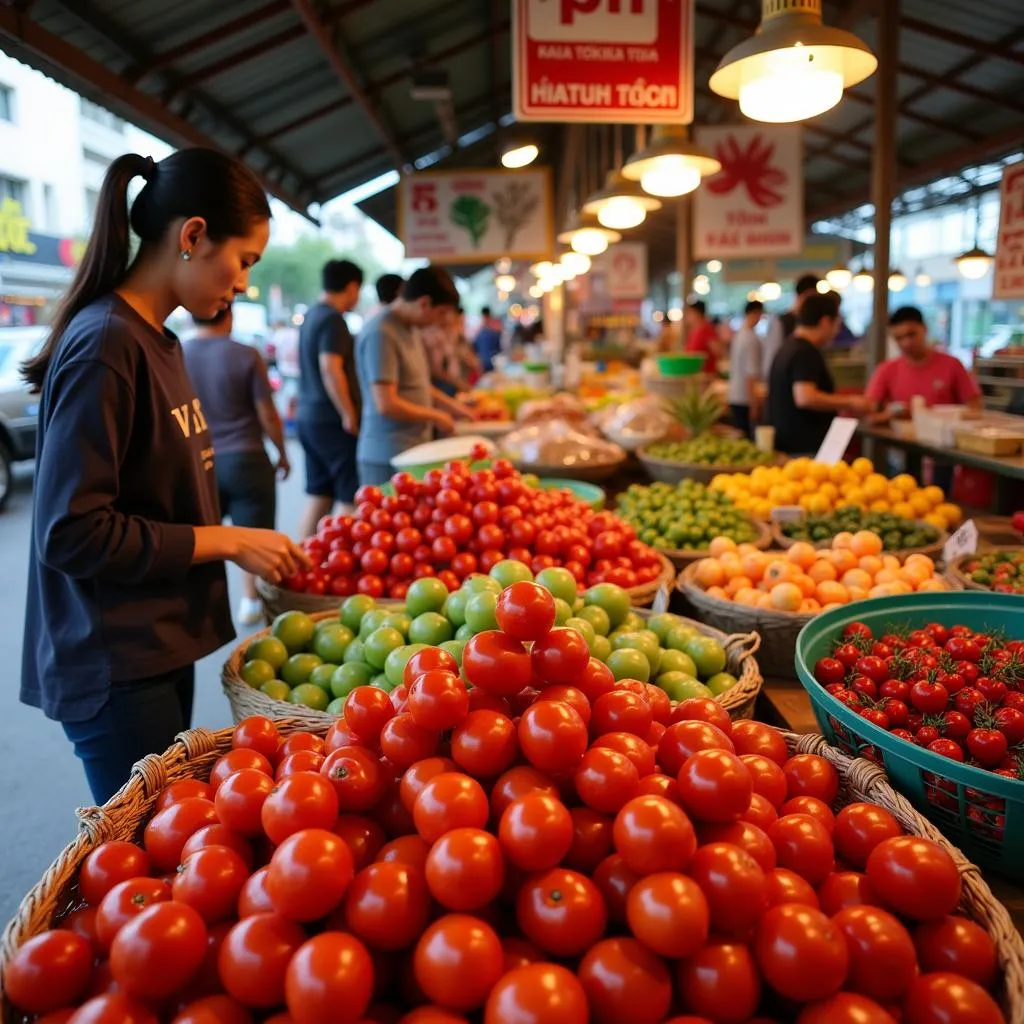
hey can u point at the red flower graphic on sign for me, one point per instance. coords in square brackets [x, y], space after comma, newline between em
[750, 167]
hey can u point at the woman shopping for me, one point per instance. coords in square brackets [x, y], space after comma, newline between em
[127, 587]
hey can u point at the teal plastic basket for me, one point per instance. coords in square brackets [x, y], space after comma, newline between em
[979, 811]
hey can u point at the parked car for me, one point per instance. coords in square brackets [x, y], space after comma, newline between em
[19, 408]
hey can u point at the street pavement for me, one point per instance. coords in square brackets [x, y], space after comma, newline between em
[42, 782]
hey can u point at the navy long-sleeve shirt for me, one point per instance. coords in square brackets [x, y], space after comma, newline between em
[124, 472]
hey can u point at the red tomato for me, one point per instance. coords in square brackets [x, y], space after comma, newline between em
[367, 710]
[308, 874]
[387, 906]
[860, 827]
[639, 752]
[49, 971]
[210, 882]
[845, 1008]
[329, 980]
[844, 889]
[255, 956]
[535, 831]
[449, 800]
[357, 776]
[621, 711]
[813, 808]
[239, 801]
[560, 657]
[457, 961]
[539, 993]
[883, 961]
[615, 878]
[915, 877]
[404, 743]
[803, 844]
[125, 901]
[158, 952]
[947, 998]
[760, 812]
[525, 611]
[416, 776]
[363, 837]
[234, 761]
[625, 981]
[182, 790]
[409, 849]
[591, 840]
[668, 913]
[685, 738]
[552, 736]
[653, 834]
[254, 898]
[258, 733]
[785, 886]
[811, 775]
[746, 836]
[715, 785]
[733, 884]
[767, 777]
[110, 863]
[720, 982]
[113, 1008]
[214, 1010]
[302, 741]
[606, 780]
[801, 952]
[219, 835]
[595, 680]
[300, 801]
[515, 783]
[169, 830]
[438, 700]
[750, 737]
[562, 912]
[703, 709]
[956, 945]
[465, 869]
[496, 663]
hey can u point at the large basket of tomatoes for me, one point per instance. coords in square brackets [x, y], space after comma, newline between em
[931, 687]
[307, 872]
[1001, 571]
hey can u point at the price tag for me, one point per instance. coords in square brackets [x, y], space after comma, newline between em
[963, 542]
[788, 514]
[838, 438]
[661, 599]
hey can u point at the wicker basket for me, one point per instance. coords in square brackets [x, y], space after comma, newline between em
[276, 600]
[681, 559]
[193, 754]
[960, 579]
[778, 630]
[644, 595]
[933, 551]
[672, 472]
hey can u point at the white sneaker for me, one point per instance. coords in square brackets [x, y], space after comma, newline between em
[250, 611]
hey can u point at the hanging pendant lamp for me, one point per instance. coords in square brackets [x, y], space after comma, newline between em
[670, 164]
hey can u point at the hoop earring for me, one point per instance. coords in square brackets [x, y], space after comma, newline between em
[186, 254]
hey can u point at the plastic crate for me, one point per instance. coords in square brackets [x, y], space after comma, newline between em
[980, 811]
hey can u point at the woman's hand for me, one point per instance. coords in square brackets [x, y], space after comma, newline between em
[267, 554]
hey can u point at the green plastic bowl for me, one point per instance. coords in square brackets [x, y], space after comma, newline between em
[981, 812]
[680, 365]
[593, 495]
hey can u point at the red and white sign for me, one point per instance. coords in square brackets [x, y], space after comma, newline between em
[1009, 272]
[624, 267]
[755, 205]
[614, 61]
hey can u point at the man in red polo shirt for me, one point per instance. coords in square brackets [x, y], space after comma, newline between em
[701, 338]
[939, 378]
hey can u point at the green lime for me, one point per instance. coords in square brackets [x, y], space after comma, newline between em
[584, 627]
[563, 612]
[426, 595]
[379, 644]
[336, 707]
[372, 620]
[355, 652]
[480, 612]
[602, 647]
[347, 677]
[268, 649]
[454, 648]
[643, 641]
[632, 622]
[322, 675]
[331, 641]
[397, 620]
[707, 654]
[477, 584]
[312, 696]
[720, 682]
[629, 663]
[680, 636]
[257, 672]
[455, 606]
[676, 661]
[509, 571]
[381, 682]
[597, 617]
[559, 582]
[294, 630]
[276, 689]
[613, 599]
[354, 608]
[464, 633]
[430, 628]
[298, 668]
[682, 686]
[577, 604]
[662, 622]
[394, 666]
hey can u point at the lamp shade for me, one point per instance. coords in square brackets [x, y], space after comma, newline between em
[839, 277]
[585, 234]
[620, 203]
[670, 164]
[974, 263]
[519, 153]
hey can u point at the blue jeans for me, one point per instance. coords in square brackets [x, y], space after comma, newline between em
[140, 717]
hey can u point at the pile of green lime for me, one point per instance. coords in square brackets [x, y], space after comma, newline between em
[318, 663]
[683, 517]
[897, 533]
[711, 450]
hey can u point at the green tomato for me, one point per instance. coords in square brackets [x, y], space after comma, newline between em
[597, 617]
[312, 696]
[331, 641]
[602, 648]
[480, 612]
[379, 644]
[294, 630]
[381, 682]
[559, 583]
[276, 689]
[645, 642]
[662, 622]
[577, 605]
[455, 607]
[397, 620]
[354, 608]
[681, 686]
[268, 649]
[720, 682]
[355, 653]
[427, 594]
[479, 584]
[430, 628]
[298, 668]
[676, 661]
[585, 628]
[347, 677]
[680, 636]
[632, 622]
[508, 571]
[372, 620]
[394, 666]
[614, 600]
[708, 656]
[322, 675]
[629, 663]
[464, 633]
[336, 707]
[454, 648]
[257, 672]
[563, 612]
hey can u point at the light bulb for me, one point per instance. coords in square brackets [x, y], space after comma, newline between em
[974, 266]
[670, 175]
[923, 280]
[520, 156]
[863, 281]
[770, 291]
[536, 292]
[822, 288]
[589, 241]
[839, 278]
[540, 269]
[701, 285]
[714, 266]
[675, 314]
[897, 281]
[505, 283]
[575, 263]
[622, 212]
[792, 84]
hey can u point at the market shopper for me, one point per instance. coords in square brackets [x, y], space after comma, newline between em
[400, 403]
[232, 386]
[701, 337]
[801, 392]
[329, 398]
[127, 588]
[388, 286]
[783, 325]
[487, 342]
[745, 370]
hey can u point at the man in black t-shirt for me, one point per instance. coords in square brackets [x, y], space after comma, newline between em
[801, 399]
[329, 400]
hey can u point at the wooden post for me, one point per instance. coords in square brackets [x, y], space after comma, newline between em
[684, 246]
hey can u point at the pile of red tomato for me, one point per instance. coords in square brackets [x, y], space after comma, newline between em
[545, 846]
[459, 521]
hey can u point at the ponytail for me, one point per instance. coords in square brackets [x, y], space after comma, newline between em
[189, 183]
[105, 263]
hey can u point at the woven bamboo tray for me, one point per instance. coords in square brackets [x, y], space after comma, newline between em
[960, 579]
[778, 630]
[681, 559]
[193, 754]
[933, 551]
[671, 472]
[276, 600]
[643, 596]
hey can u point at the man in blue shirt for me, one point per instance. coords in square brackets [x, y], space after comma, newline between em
[488, 340]
[400, 403]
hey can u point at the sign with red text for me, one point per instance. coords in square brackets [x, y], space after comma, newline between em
[1009, 271]
[612, 61]
[755, 205]
[476, 216]
[624, 267]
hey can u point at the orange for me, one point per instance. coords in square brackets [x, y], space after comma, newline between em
[709, 573]
[931, 585]
[822, 571]
[802, 554]
[920, 560]
[842, 540]
[748, 596]
[916, 573]
[736, 584]
[887, 576]
[780, 572]
[765, 601]
[717, 592]
[830, 607]
[730, 563]
[870, 564]
[844, 560]
[882, 590]
[901, 587]
[806, 584]
[864, 542]
[857, 578]
[809, 606]
[720, 545]
[830, 592]
[786, 597]
[857, 593]
[754, 565]
[890, 562]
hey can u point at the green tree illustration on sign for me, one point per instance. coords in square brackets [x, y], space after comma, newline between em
[471, 214]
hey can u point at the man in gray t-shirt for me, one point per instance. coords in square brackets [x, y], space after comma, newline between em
[400, 406]
[746, 369]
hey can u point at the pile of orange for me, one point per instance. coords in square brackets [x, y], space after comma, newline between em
[807, 580]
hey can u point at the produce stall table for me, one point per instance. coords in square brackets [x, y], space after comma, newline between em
[1006, 470]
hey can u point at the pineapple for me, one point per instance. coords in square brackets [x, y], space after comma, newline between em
[697, 412]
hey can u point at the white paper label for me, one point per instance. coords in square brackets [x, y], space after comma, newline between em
[839, 435]
[661, 599]
[963, 542]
